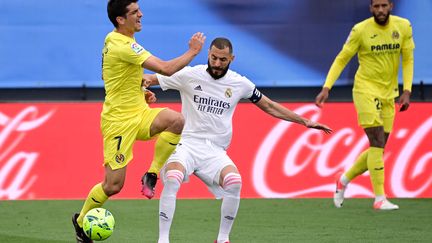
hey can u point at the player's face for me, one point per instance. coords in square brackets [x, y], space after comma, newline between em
[132, 22]
[381, 10]
[219, 61]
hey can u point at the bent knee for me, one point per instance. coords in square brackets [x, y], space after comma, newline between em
[177, 122]
[173, 179]
[232, 184]
[112, 189]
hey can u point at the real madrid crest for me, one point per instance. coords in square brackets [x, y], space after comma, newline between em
[395, 35]
[228, 93]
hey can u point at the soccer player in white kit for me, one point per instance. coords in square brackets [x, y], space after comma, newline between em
[210, 94]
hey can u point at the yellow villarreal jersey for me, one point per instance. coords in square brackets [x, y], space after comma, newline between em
[122, 74]
[379, 52]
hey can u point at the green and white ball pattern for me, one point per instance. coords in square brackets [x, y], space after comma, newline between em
[98, 224]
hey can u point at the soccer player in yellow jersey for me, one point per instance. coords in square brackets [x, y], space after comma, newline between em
[126, 116]
[379, 42]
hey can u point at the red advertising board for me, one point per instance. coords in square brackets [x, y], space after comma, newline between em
[54, 151]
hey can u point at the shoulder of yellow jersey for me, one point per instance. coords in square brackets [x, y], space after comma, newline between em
[123, 43]
[118, 38]
[360, 26]
[400, 21]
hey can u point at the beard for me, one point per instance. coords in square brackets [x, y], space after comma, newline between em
[381, 22]
[210, 70]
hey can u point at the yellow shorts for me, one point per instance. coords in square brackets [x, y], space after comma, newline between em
[374, 112]
[120, 136]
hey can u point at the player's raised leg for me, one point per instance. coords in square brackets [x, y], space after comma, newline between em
[169, 125]
[172, 179]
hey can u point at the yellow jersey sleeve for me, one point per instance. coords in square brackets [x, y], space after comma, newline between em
[408, 58]
[134, 53]
[349, 49]
[408, 41]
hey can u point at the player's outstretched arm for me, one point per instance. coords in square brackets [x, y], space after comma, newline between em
[277, 110]
[168, 68]
[319, 126]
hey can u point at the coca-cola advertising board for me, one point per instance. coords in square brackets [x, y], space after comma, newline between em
[54, 151]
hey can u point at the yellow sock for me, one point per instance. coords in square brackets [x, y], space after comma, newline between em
[375, 164]
[359, 167]
[95, 199]
[165, 145]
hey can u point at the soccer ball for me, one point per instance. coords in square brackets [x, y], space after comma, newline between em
[98, 224]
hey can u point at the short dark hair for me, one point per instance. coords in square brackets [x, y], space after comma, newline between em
[222, 43]
[373, 0]
[118, 8]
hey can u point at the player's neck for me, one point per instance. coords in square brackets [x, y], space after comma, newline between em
[125, 32]
[383, 25]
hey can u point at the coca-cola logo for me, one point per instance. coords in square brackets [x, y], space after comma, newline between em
[16, 163]
[311, 156]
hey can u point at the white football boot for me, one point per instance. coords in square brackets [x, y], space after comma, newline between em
[385, 205]
[338, 196]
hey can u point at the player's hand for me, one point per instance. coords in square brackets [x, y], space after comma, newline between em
[196, 42]
[322, 97]
[150, 97]
[404, 100]
[319, 126]
[146, 81]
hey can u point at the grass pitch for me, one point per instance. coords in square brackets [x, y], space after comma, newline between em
[197, 221]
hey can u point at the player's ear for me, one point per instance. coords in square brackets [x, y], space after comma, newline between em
[232, 58]
[120, 20]
[370, 6]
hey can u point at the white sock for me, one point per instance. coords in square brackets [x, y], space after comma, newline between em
[379, 198]
[232, 186]
[344, 180]
[167, 203]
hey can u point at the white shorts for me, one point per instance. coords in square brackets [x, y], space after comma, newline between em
[202, 158]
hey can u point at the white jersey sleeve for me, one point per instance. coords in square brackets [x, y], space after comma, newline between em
[174, 81]
[248, 88]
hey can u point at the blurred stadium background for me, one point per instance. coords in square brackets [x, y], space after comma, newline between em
[279, 44]
[51, 95]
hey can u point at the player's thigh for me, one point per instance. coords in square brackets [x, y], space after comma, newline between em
[118, 141]
[147, 119]
[181, 159]
[167, 119]
[388, 114]
[225, 171]
[210, 174]
[369, 110]
[210, 171]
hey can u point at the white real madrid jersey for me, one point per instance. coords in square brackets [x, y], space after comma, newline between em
[207, 104]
